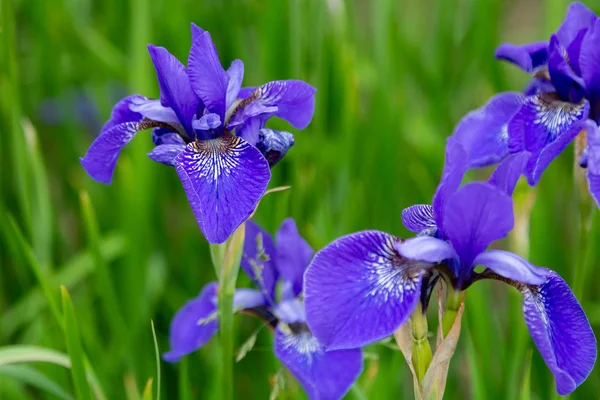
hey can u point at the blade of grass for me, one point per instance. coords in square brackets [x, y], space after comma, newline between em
[30, 376]
[157, 354]
[74, 348]
[147, 394]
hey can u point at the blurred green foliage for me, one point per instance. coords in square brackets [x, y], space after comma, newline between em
[393, 78]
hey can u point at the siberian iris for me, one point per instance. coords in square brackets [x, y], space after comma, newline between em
[210, 129]
[324, 374]
[362, 287]
[561, 102]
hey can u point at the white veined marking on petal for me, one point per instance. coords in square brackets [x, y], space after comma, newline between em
[555, 115]
[304, 343]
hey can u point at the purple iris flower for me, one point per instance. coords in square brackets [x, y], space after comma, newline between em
[324, 374]
[210, 129]
[561, 102]
[364, 286]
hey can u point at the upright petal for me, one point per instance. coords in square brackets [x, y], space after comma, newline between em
[507, 174]
[274, 145]
[324, 375]
[207, 77]
[512, 266]
[565, 80]
[194, 324]
[235, 76]
[166, 153]
[589, 62]
[593, 164]
[542, 121]
[359, 290]
[560, 331]
[578, 17]
[528, 57]
[455, 166]
[476, 215]
[259, 258]
[418, 218]
[291, 100]
[483, 132]
[101, 158]
[224, 179]
[175, 90]
[293, 254]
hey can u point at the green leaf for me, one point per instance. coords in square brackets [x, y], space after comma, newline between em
[526, 383]
[147, 395]
[157, 355]
[31, 376]
[74, 347]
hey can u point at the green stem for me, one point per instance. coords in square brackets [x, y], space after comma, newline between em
[421, 349]
[228, 272]
[453, 301]
[581, 266]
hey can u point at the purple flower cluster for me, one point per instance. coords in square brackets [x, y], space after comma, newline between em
[324, 373]
[210, 129]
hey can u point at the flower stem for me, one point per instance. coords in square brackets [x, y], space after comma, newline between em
[453, 301]
[421, 349]
[228, 272]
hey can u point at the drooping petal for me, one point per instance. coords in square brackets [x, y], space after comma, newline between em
[175, 89]
[578, 17]
[324, 375]
[542, 127]
[565, 80]
[235, 76]
[291, 100]
[427, 249]
[274, 145]
[512, 266]
[259, 258]
[593, 163]
[418, 218]
[528, 57]
[207, 77]
[560, 331]
[101, 158]
[477, 215]
[224, 179]
[359, 290]
[166, 153]
[194, 324]
[483, 132]
[589, 62]
[507, 174]
[293, 254]
[455, 166]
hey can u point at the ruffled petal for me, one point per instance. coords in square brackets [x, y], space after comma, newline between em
[101, 158]
[186, 333]
[578, 17]
[359, 290]
[542, 121]
[259, 257]
[274, 145]
[175, 90]
[560, 331]
[593, 164]
[291, 100]
[324, 375]
[528, 57]
[418, 218]
[427, 249]
[507, 174]
[483, 132]
[477, 215]
[207, 77]
[166, 153]
[293, 254]
[235, 76]
[455, 166]
[224, 179]
[512, 266]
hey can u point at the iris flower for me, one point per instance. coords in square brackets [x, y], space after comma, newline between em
[363, 287]
[562, 102]
[324, 374]
[210, 129]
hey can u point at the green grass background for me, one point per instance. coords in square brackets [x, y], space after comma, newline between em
[393, 78]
